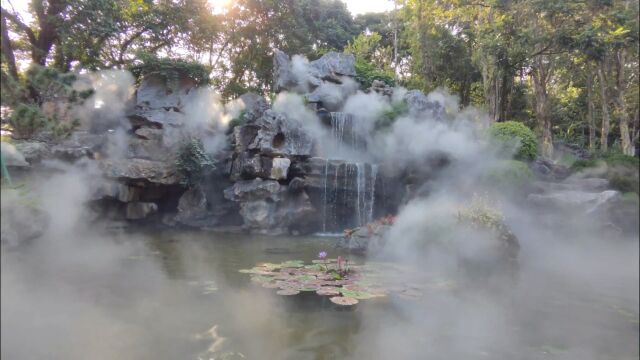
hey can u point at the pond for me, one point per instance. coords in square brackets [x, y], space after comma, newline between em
[179, 295]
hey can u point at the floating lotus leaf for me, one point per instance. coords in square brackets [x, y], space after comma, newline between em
[324, 261]
[261, 278]
[328, 291]
[305, 278]
[360, 295]
[270, 285]
[287, 292]
[342, 300]
[292, 264]
[269, 266]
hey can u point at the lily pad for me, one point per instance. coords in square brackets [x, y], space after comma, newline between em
[360, 295]
[343, 300]
[328, 291]
[287, 292]
[292, 264]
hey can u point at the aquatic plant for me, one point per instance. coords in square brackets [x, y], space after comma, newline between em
[345, 284]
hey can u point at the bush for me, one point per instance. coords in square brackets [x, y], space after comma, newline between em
[367, 72]
[480, 213]
[509, 132]
[192, 162]
[26, 119]
[169, 69]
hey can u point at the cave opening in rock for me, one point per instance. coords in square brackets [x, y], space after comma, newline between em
[278, 140]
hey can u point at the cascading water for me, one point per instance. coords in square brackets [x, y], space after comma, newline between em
[348, 196]
[349, 187]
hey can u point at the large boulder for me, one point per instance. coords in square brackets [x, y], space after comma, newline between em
[333, 65]
[11, 156]
[155, 92]
[33, 151]
[254, 106]
[136, 170]
[420, 106]
[283, 78]
[268, 207]
[192, 209]
[256, 189]
[273, 134]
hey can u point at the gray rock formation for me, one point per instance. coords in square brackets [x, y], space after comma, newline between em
[12, 156]
[254, 106]
[267, 207]
[140, 210]
[420, 106]
[273, 134]
[155, 92]
[140, 170]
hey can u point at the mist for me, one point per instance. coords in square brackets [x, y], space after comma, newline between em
[87, 290]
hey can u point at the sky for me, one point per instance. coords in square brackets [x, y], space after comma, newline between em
[357, 7]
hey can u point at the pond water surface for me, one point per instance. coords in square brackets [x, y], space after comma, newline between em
[179, 295]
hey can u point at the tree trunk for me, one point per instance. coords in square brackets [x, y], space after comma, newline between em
[604, 99]
[621, 106]
[7, 50]
[540, 75]
[590, 110]
[491, 87]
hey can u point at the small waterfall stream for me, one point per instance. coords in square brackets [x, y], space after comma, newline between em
[348, 196]
[349, 186]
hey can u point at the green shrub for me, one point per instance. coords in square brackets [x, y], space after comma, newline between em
[390, 115]
[366, 72]
[169, 69]
[26, 119]
[614, 159]
[192, 162]
[509, 132]
[480, 213]
[509, 173]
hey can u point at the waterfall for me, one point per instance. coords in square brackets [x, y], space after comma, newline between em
[342, 130]
[348, 195]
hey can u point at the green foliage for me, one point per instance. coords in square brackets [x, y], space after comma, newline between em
[367, 72]
[373, 61]
[510, 132]
[192, 162]
[510, 173]
[169, 69]
[391, 114]
[480, 213]
[27, 119]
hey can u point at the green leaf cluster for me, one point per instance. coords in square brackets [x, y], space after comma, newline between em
[509, 133]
